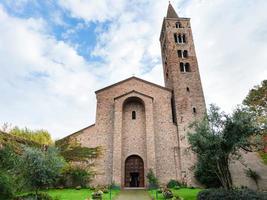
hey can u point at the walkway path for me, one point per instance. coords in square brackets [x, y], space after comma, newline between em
[132, 194]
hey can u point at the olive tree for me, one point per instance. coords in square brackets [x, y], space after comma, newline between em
[41, 168]
[220, 137]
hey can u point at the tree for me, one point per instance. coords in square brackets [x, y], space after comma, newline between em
[256, 101]
[40, 136]
[41, 168]
[205, 173]
[219, 137]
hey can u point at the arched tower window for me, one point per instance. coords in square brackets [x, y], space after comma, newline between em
[133, 115]
[185, 53]
[179, 39]
[187, 67]
[175, 38]
[194, 110]
[184, 39]
[184, 67]
[187, 89]
[178, 25]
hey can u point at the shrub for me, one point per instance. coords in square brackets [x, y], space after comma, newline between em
[240, 194]
[97, 195]
[167, 193]
[41, 168]
[6, 186]
[115, 186]
[152, 179]
[177, 187]
[32, 196]
[160, 190]
[173, 183]
[75, 176]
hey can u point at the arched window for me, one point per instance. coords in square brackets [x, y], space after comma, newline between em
[133, 115]
[178, 25]
[194, 110]
[184, 39]
[180, 39]
[179, 52]
[175, 38]
[167, 74]
[182, 67]
[187, 67]
[187, 89]
[185, 53]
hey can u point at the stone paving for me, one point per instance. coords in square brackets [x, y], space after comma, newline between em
[133, 194]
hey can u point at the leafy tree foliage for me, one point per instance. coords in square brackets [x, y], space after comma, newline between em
[10, 168]
[7, 190]
[219, 137]
[256, 101]
[41, 168]
[72, 151]
[40, 136]
[205, 172]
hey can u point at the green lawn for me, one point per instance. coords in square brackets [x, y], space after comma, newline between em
[73, 194]
[186, 193]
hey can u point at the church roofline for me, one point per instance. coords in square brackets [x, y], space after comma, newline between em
[76, 132]
[133, 77]
[134, 91]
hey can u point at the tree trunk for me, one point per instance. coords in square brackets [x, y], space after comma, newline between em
[223, 173]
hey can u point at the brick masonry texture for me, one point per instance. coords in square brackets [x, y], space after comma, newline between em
[159, 133]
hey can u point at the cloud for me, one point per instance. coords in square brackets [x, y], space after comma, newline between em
[91, 10]
[44, 80]
[48, 84]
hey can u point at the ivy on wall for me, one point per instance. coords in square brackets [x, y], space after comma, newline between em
[72, 150]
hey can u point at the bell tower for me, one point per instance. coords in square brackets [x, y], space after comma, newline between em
[181, 75]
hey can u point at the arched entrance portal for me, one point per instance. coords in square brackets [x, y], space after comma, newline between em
[134, 171]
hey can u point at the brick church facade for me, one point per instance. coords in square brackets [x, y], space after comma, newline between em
[141, 125]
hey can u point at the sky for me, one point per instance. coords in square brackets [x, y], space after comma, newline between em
[55, 54]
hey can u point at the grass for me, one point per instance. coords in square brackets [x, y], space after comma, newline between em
[73, 194]
[186, 193]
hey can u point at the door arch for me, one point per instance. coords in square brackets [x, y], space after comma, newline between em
[134, 171]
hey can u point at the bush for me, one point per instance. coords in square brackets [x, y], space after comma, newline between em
[177, 187]
[41, 168]
[173, 183]
[114, 186]
[167, 193]
[152, 179]
[32, 196]
[6, 186]
[240, 194]
[97, 195]
[75, 176]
